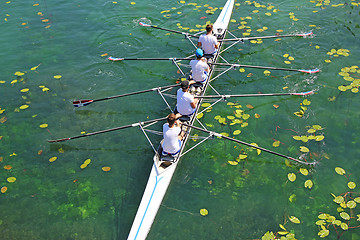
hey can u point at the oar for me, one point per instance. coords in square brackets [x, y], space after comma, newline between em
[267, 37]
[262, 67]
[81, 103]
[108, 130]
[247, 144]
[256, 95]
[169, 30]
[146, 59]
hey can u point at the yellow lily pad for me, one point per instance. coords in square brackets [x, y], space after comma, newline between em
[304, 171]
[292, 177]
[294, 219]
[11, 179]
[44, 125]
[308, 184]
[351, 185]
[234, 163]
[204, 212]
[304, 149]
[52, 159]
[236, 132]
[340, 171]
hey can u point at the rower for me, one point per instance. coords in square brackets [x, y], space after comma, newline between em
[186, 103]
[199, 68]
[208, 42]
[172, 136]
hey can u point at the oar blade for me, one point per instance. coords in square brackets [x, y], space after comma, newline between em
[115, 59]
[144, 24]
[304, 93]
[305, 34]
[81, 103]
[309, 71]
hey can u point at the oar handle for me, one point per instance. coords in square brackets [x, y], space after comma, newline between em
[108, 130]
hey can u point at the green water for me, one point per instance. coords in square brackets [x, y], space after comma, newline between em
[60, 200]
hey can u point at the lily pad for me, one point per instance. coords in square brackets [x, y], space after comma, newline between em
[339, 171]
[204, 212]
[292, 177]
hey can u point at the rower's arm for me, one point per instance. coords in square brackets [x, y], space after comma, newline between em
[199, 44]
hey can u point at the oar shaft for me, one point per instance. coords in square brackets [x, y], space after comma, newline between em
[146, 59]
[253, 66]
[108, 130]
[267, 37]
[255, 95]
[137, 92]
[247, 144]
[169, 30]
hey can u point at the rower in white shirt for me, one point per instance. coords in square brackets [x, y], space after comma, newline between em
[208, 42]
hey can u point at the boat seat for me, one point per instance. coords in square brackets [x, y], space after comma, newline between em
[184, 118]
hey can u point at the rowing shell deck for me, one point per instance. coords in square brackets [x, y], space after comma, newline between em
[162, 171]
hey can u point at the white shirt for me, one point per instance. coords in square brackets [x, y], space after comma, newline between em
[183, 102]
[208, 43]
[198, 68]
[171, 142]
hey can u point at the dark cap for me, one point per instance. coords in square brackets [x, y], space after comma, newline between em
[184, 84]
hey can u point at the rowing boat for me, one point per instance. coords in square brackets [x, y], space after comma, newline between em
[163, 169]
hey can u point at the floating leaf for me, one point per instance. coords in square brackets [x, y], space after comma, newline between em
[242, 156]
[357, 199]
[3, 189]
[11, 179]
[205, 105]
[323, 216]
[275, 106]
[294, 219]
[297, 137]
[24, 107]
[308, 184]
[304, 149]
[304, 171]
[351, 185]
[245, 116]
[234, 163]
[257, 115]
[345, 215]
[249, 106]
[7, 167]
[52, 159]
[82, 166]
[292, 177]
[292, 198]
[351, 204]
[319, 138]
[236, 132]
[311, 130]
[339, 171]
[282, 227]
[344, 226]
[87, 161]
[276, 144]
[282, 233]
[24, 90]
[44, 125]
[257, 150]
[320, 222]
[306, 102]
[106, 169]
[339, 199]
[323, 233]
[204, 212]
[200, 115]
